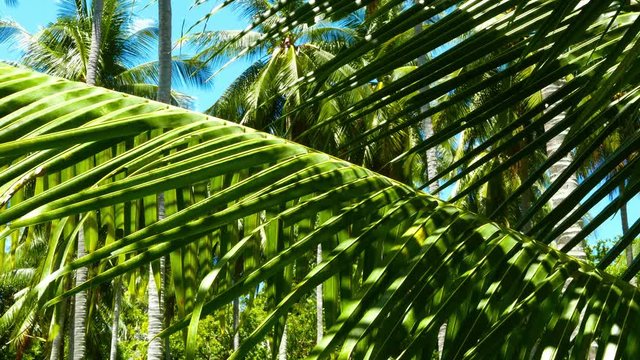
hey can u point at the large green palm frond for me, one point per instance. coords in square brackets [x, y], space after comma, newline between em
[590, 47]
[398, 264]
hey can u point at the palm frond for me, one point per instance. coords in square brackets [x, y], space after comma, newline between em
[427, 265]
[588, 47]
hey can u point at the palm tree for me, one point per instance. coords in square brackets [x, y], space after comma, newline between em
[557, 169]
[63, 48]
[427, 126]
[258, 96]
[261, 93]
[265, 91]
[397, 263]
[156, 290]
[80, 300]
[164, 51]
[127, 41]
[96, 40]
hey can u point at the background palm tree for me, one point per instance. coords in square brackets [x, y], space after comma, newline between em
[62, 48]
[96, 40]
[157, 289]
[266, 91]
[80, 300]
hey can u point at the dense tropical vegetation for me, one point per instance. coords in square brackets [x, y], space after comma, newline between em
[125, 218]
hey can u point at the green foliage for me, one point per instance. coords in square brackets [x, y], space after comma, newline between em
[301, 326]
[216, 332]
[33, 350]
[132, 342]
[596, 251]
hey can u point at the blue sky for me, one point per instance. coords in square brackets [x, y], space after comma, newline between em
[612, 227]
[33, 14]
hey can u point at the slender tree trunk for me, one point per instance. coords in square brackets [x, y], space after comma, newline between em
[624, 218]
[96, 39]
[432, 162]
[164, 95]
[113, 353]
[282, 350]
[80, 303]
[164, 51]
[558, 168]
[57, 349]
[236, 324]
[319, 302]
[72, 329]
[166, 266]
[80, 307]
[427, 127]
[156, 300]
[156, 310]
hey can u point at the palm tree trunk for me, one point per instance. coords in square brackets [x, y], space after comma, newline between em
[236, 324]
[154, 352]
[558, 168]
[96, 38]
[72, 330]
[432, 163]
[57, 350]
[164, 95]
[80, 307]
[156, 310]
[113, 353]
[156, 300]
[624, 218]
[427, 127]
[282, 350]
[164, 51]
[319, 303]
